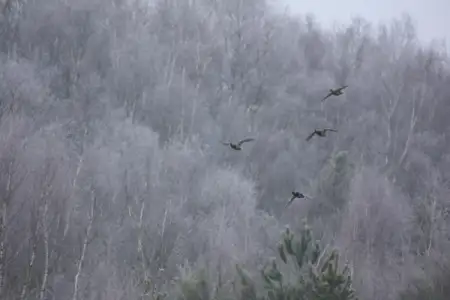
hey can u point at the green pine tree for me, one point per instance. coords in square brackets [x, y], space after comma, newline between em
[318, 274]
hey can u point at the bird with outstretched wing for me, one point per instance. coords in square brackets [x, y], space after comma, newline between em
[296, 195]
[238, 146]
[320, 132]
[335, 92]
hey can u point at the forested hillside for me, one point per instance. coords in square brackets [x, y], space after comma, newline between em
[115, 184]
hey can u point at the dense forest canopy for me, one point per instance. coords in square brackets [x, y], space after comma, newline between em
[113, 176]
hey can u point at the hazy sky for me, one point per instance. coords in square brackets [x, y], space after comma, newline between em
[432, 17]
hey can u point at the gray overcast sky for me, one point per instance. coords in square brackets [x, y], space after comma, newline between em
[432, 17]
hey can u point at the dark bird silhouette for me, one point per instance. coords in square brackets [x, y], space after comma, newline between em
[296, 195]
[320, 132]
[335, 92]
[238, 146]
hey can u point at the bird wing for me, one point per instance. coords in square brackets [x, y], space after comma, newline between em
[327, 96]
[330, 129]
[226, 144]
[245, 140]
[342, 88]
[290, 201]
[310, 136]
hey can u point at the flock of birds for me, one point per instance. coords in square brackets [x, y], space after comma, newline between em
[320, 132]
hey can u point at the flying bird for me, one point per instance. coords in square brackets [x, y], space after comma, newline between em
[296, 195]
[320, 132]
[238, 146]
[335, 92]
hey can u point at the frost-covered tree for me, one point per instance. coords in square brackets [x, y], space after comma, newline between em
[113, 178]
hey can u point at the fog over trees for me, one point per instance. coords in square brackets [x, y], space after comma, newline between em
[114, 183]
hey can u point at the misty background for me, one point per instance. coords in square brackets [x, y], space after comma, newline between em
[430, 16]
[114, 183]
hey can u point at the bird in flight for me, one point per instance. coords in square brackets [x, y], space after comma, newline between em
[320, 132]
[335, 92]
[238, 146]
[296, 195]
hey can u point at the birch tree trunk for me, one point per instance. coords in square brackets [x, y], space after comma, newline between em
[86, 241]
